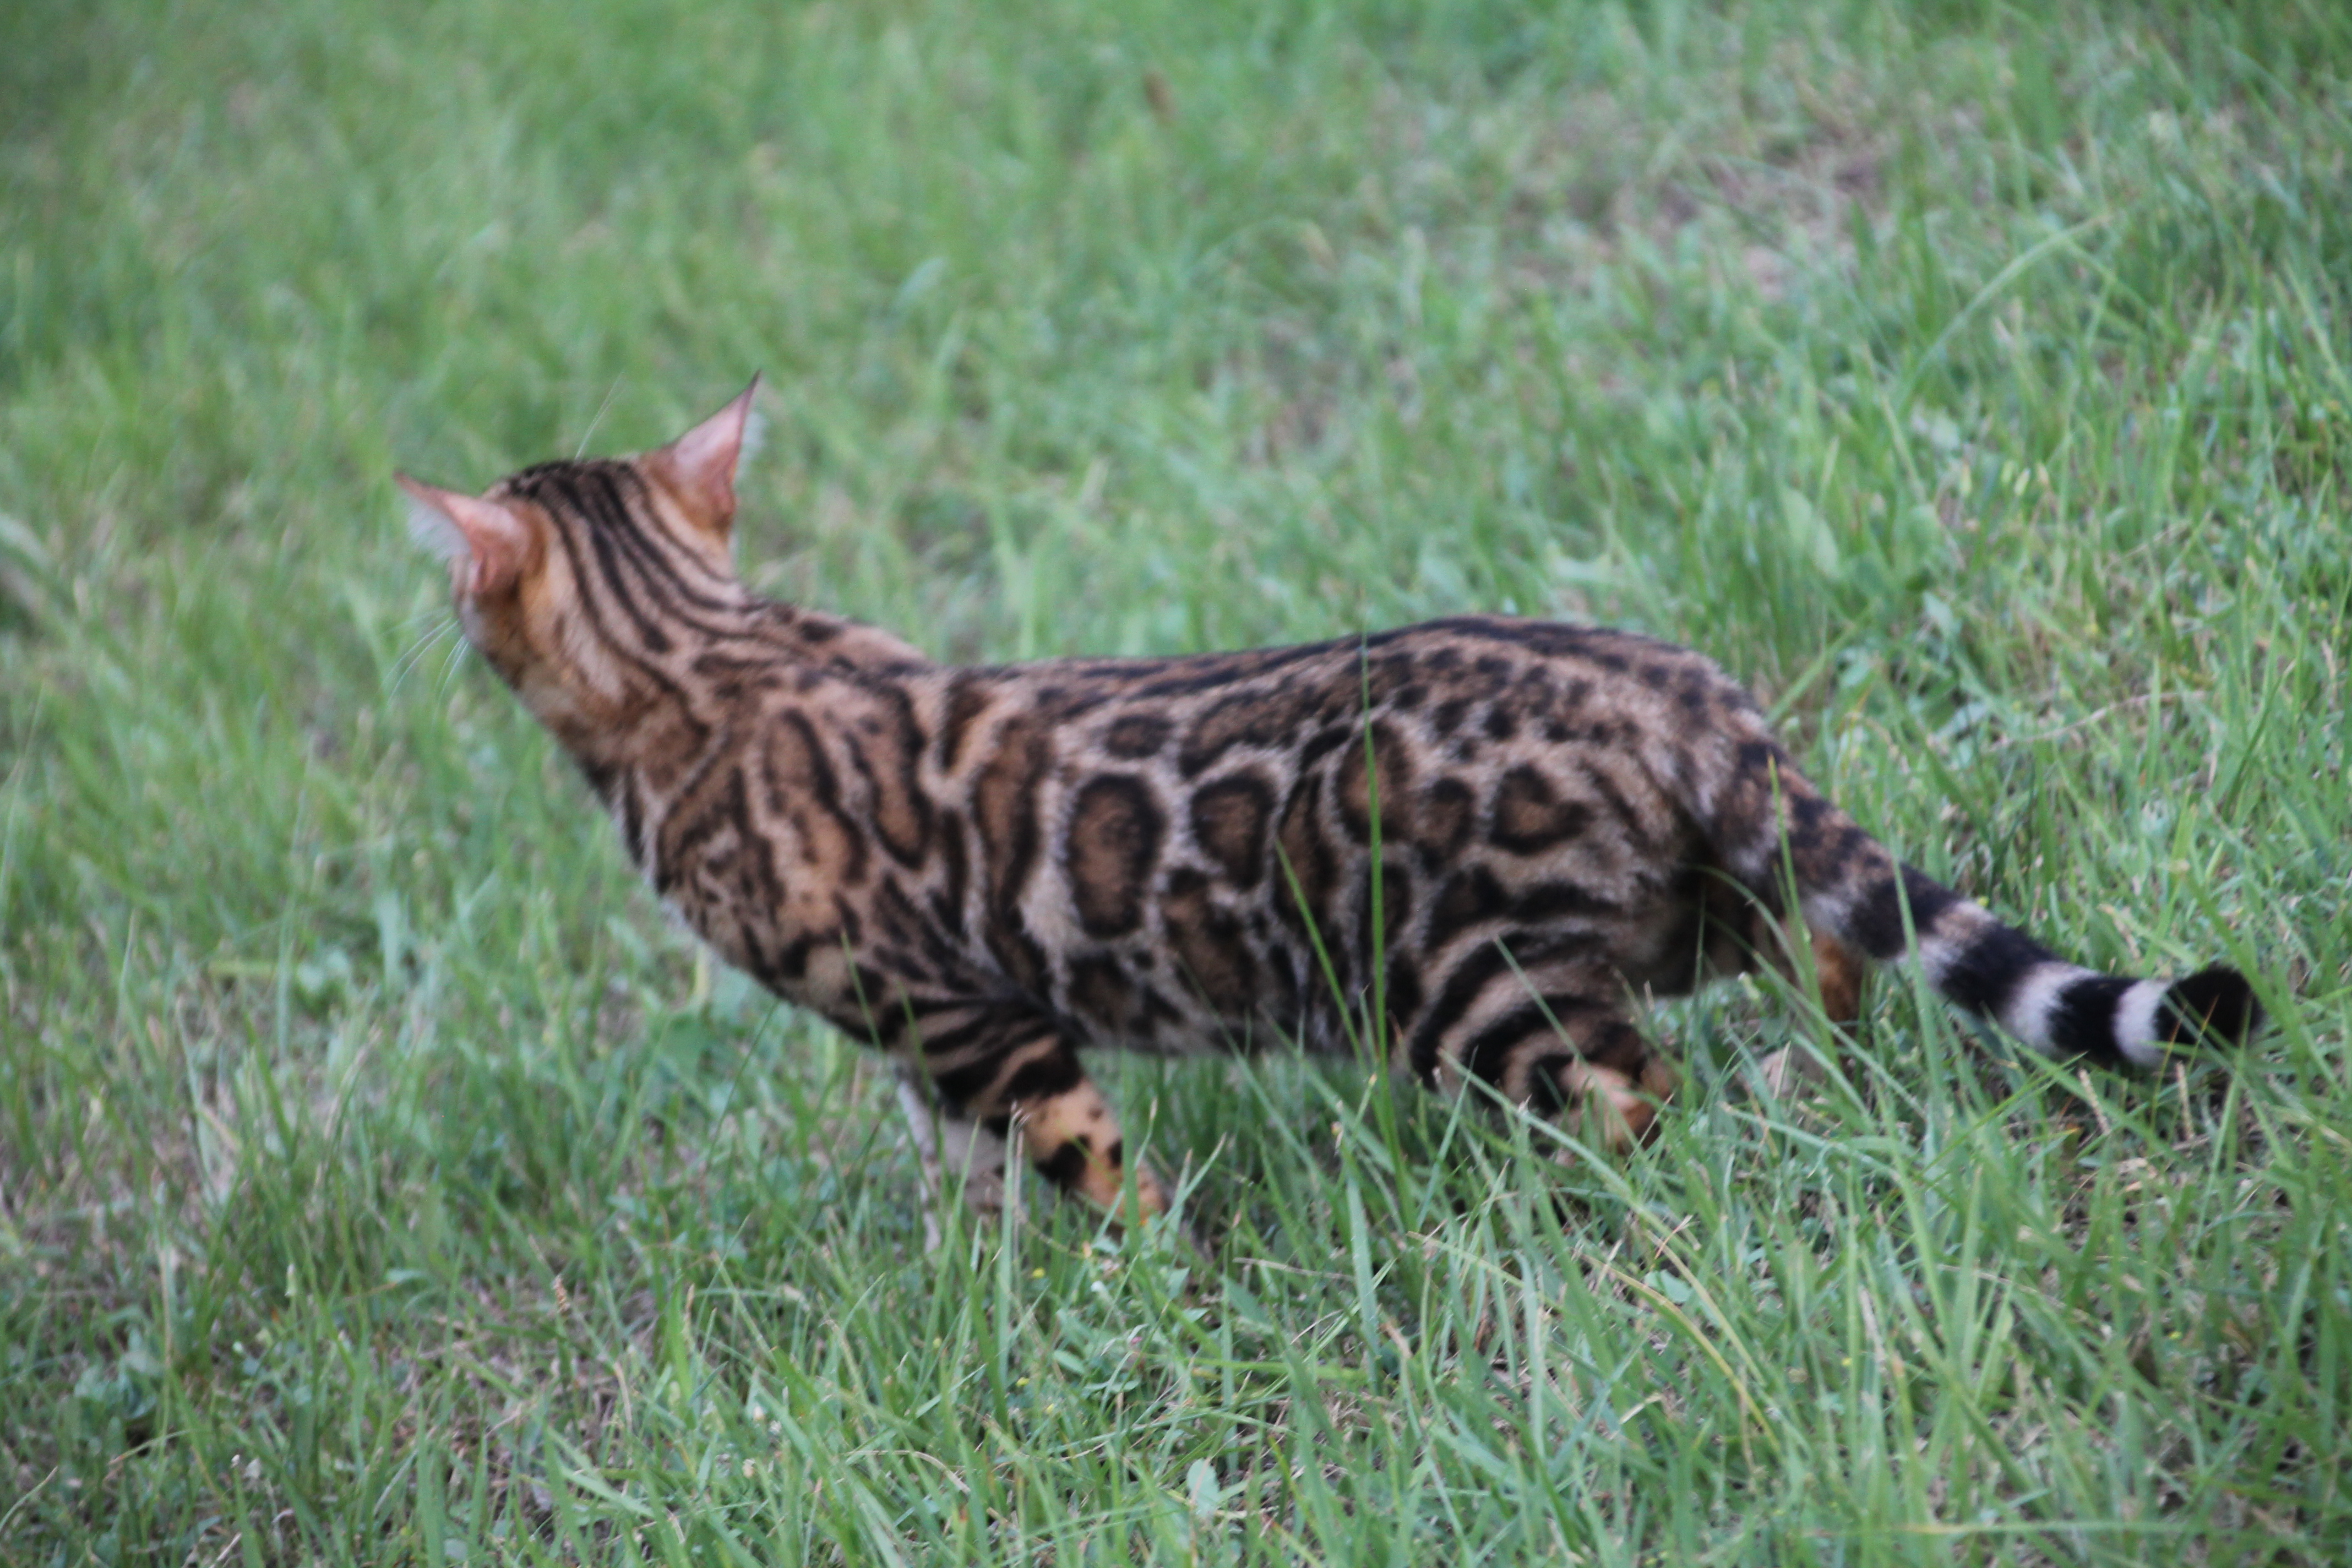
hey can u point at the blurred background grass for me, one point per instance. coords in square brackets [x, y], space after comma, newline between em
[382, 1179]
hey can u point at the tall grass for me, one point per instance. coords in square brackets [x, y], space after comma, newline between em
[382, 1179]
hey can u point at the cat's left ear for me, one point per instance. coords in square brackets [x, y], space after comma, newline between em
[485, 535]
[700, 465]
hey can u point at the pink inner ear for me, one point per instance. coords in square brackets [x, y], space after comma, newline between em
[703, 460]
[495, 538]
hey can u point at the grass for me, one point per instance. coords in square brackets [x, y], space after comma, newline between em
[381, 1181]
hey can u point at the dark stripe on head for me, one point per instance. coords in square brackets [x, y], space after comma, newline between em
[587, 599]
[633, 565]
[632, 504]
[652, 550]
[575, 513]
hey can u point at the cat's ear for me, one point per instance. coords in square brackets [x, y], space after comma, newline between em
[700, 465]
[486, 534]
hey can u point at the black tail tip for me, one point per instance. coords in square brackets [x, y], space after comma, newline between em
[2215, 1005]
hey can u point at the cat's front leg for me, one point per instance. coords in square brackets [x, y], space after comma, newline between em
[1003, 1073]
[1835, 987]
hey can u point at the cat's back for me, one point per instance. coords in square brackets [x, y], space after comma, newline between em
[1468, 722]
[1083, 822]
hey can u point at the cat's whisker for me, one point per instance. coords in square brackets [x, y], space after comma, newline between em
[450, 665]
[417, 651]
[433, 614]
[590, 433]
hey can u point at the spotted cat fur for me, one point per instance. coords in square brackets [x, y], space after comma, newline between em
[984, 871]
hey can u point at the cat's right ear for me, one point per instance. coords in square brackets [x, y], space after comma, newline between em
[700, 465]
[484, 534]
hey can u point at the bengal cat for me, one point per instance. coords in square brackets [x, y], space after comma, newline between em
[984, 871]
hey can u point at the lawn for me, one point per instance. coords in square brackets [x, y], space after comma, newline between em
[383, 1180]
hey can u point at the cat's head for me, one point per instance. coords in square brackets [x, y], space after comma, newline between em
[577, 579]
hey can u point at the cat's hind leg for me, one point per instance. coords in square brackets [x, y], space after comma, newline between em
[1838, 972]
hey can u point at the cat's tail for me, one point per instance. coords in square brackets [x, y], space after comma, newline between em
[1998, 972]
[1850, 889]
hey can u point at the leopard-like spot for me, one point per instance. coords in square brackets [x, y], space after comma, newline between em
[1530, 816]
[1004, 811]
[1260, 716]
[1449, 813]
[1230, 817]
[1133, 737]
[1388, 766]
[1110, 847]
[1309, 868]
[1101, 992]
[1210, 950]
[889, 757]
